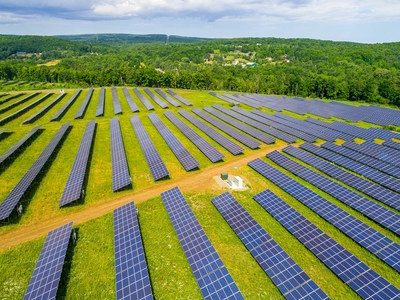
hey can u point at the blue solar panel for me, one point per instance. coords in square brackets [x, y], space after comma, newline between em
[212, 276]
[116, 103]
[213, 154]
[129, 99]
[155, 98]
[373, 210]
[46, 276]
[12, 199]
[241, 137]
[16, 103]
[100, 104]
[131, 274]
[18, 144]
[286, 274]
[212, 133]
[120, 170]
[168, 98]
[79, 114]
[369, 238]
[182, 154]
[362, 279]
[44, 109]
[65, 107]
[179, 97]
[143, 99]
[392, 144]
[229, 100]
[157, 167]
[73, 187]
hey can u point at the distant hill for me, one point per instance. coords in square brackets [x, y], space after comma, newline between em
[118, 38]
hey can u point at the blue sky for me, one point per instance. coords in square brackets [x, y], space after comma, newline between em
[367, 21]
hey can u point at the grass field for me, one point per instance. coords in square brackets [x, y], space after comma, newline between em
[89, 271]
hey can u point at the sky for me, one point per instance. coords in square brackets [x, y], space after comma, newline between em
[365, 21]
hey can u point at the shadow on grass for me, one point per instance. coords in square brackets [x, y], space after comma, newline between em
[5, 135]
[66, 271]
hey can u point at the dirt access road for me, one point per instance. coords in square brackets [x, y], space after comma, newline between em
[187, 183]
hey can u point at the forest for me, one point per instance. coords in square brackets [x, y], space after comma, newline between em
[292, 67]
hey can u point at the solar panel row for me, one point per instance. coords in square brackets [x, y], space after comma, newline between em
[3, 130]
[120, 171]
[131, 274]
[100, 104]
[16, 103]
[182, 154]
[286, 274]
[129, 99]
[361, 278]
[324, 126]
[392, 144]
[116, 103]
[244, 139]
[381, 149]
[11, 97]
[168, 98]
[157, 167]
[179, 97]
[65, 107]
[73, 187]
[212, 276]
[143, 99]
[212, 133]
[248, 101]
[44, 109]
[226, 99]
[12, 199]
[212, 154]
[82, 108]
[155, 98]
[378, 244]
[376, 212]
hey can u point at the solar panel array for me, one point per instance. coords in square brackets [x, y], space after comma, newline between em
[12, 199]
[182, 154]
[212, 133]
[244, 139]
[120, 170]
[157, 167]
[131, 274]
[324, 126]
[24, 109]
[369, 238]
[16, 103]
[226, 99]
[44, 109]
[239, 125]
[271, 131]
[381, 149]
[179, 97]
[212, 276]
[143, 99]
[373, 210]
[100, 104]
[73, 187]
[46, 276]
[392, 144]
[244, 100]
[155, 98]
[374, 175]
[129, 99]
[11, 97]
[116, 103]
[361, 278]
[286, 274]
[18, 144]
[168, 98]
[82, 108]
[212, 154]
[65, 107]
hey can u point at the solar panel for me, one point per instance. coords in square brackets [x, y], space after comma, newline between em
[100, 104]
[10, 152]
[82, 108]
[179, 97]
[244, 139]
[11, 97]
[157, 167]
[239, 125]
[212, 154]
[392, 144]
[46, 276]
[357, 275]
[73, 187]
[44, 109]
[12, 199]
[271, 131]
[16, 103]
[3, 130]
[229, 100]
[212, 133]
[212, 276]
[168, 98]
[117, 105]
[373, 210]
[131, 274]
[65, 107]
[286, 274]
[143, 99]
[120, 170]
[129, 99]
[374, 241]
[182, 154]
[155, 98]
[24, 109]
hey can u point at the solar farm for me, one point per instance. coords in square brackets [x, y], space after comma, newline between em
[111, 193]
